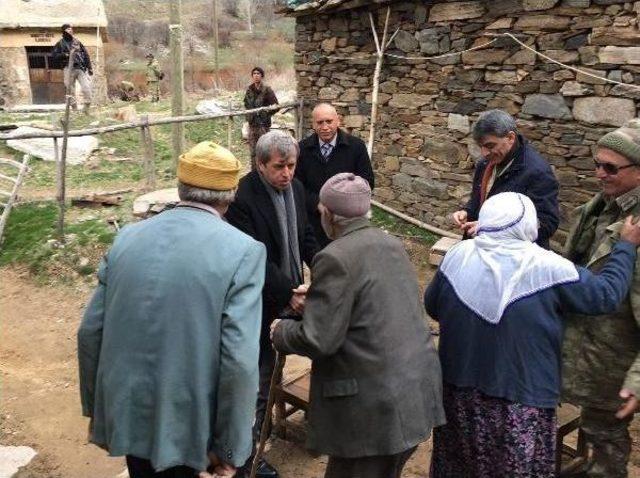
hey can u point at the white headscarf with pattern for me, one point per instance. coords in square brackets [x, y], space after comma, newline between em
[502, 263]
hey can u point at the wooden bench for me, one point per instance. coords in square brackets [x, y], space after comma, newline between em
[568, 421]
[293, 395]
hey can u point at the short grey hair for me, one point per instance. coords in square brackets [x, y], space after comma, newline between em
[495, 122]
[209, 197]
[277, 142]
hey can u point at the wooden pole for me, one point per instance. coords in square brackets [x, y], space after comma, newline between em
[216, 65]
[62, 169]
[276, 378]
[380, 49]
[416, 222]
[148, 155]
[229, 128]
[300, 118]
[177, 100]
[23, 168]
[138, 124]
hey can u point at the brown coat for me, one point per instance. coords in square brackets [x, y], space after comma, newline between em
[376, 386]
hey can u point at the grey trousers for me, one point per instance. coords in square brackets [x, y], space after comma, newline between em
[70, 77]
[610, 440]
[384, 466]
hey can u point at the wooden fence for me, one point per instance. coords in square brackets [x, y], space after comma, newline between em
[146, 140]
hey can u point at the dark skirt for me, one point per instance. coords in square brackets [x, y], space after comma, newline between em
[488, 437]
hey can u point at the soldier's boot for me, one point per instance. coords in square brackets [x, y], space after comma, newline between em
[609, 439]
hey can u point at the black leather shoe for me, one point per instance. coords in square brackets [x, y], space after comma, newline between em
[265, 470]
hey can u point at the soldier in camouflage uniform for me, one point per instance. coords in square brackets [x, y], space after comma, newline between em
[154, 75]
[258, 95]
[601, 361]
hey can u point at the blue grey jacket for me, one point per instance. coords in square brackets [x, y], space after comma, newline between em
[168, 346]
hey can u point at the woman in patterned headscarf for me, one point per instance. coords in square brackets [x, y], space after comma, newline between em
[499, 299]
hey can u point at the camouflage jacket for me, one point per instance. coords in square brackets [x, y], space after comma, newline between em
[255, 98]
[153, 71]
[600, 353]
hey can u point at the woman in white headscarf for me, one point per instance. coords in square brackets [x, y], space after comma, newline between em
[499, 299]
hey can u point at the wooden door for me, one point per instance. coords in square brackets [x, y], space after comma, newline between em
[46, 76]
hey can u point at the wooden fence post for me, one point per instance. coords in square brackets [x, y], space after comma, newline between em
[62, 169]
[148, 154]
[300, 118]
[229, 128]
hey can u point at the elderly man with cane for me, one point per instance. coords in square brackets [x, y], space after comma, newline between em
[376, 387]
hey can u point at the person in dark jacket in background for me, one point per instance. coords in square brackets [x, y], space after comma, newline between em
[258, 95]
[270, 207]
[501, 300]
[77, 64]
[327, 152]
[509, 164]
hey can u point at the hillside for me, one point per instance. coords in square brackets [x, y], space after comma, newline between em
[140, 26]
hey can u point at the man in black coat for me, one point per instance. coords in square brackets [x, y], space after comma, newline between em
[270, 207]
[77, 64]
[327, 152]
[509, 164]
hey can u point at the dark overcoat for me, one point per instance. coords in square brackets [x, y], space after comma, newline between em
[253, 213]
[349, 156]
[531, 175]
[376, 385]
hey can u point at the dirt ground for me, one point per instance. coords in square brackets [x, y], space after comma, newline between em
[39, 398]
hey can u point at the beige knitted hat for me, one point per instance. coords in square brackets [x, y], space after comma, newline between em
[346, 195]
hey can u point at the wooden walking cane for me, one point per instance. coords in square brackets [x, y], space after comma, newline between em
[275, 378]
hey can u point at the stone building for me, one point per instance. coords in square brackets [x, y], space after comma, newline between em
[423, 154]
[29, 29]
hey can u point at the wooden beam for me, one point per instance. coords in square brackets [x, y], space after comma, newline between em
[177, 77]
[138, 124]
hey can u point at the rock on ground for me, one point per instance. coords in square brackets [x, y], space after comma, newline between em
[78, 148]
[208, 107]
[12, 458]
[154, 201]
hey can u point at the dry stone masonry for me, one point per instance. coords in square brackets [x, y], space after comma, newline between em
[424, 155]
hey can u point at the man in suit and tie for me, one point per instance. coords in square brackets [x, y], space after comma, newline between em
[327, 152]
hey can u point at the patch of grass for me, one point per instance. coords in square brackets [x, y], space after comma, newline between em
[30, 240]
[28, 228]
[401, 228]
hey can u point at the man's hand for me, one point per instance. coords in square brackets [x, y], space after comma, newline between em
[322, 208]
[470, 228]
[297, 303]
[301, 289]
[630, 231]
[274, 324]
[220, 468]
[298, 298]
[630, 404]
[459, 217]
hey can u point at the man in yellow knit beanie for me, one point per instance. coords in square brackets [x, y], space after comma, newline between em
[168, 346]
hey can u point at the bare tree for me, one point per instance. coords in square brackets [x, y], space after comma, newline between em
[262, 8]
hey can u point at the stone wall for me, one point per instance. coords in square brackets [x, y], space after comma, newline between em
[424, 155]
[14, 77]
